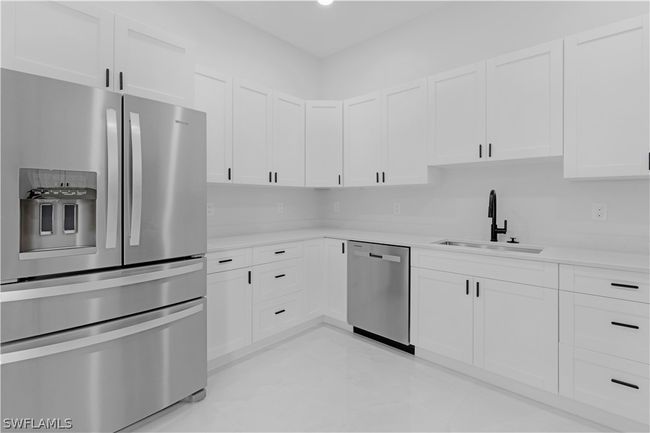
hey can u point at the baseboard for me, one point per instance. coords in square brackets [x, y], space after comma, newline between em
[337, 323]
[605, 420]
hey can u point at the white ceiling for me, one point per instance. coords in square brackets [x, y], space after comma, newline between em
[325, 30]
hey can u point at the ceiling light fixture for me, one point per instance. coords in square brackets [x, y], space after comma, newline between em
[325, 2]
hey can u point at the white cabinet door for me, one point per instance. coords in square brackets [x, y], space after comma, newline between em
[336, 278]
[606, 101]
[324, 143]
[252, 126]
[524, 103]
[363, 139]
[66, 41]
[516, 332]
[153, 64]
[314, 275]
[457, 113]
[405, 156]
[288, 153]
[213, 95]
[442, 316]
[229, 321]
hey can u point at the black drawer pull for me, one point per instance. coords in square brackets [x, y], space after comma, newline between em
[280, 252]
[225, 260]
[629, 385]
[625, 325]
[377, 256]
[281, 275]
[625, 286]
[282, 311]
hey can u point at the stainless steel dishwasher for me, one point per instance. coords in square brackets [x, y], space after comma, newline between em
[379, 292]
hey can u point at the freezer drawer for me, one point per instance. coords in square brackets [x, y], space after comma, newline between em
[38, 307]
[107, 376]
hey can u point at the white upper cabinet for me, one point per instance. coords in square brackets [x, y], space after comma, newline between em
[66, 41]
[324, 143]
[457, 115]
[524, 103]
[252, 133]
[405, 156]
[152, 64]
[213, 95]
[363, 139]
[288, 152]
[606, 101]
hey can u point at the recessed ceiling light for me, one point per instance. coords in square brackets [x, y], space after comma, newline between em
[325, 2]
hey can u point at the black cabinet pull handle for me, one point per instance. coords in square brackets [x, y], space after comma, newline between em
[107, 77]
[230, 174]
[376, 256]
[276, 177]
[624, 325]
[342, 247]
[121, 81]
[489, 150]
[477, 290]
[625, 286]
[250, 277]
[280, 252]
[629, 385]
[270, 177]
[377, 177]
[467, 287]
[280, 312]
[339, 179]
[383, 177]
[281, 275]
[480, 151]
[225, 260]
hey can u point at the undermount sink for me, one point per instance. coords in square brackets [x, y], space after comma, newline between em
[492, 246]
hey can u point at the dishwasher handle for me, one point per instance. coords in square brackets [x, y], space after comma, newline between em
[387, 257]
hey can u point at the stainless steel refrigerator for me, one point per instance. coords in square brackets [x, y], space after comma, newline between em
[103, 242]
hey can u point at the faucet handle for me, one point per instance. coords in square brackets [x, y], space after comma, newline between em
[513, 240]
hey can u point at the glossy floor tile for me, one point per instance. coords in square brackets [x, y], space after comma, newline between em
[330, 380]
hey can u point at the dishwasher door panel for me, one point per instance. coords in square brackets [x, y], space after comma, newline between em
[378, 289]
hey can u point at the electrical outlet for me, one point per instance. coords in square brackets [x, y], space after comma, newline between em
[210, 209]
[397, 209]
[337, 207]
[280, 208]
[599, 211]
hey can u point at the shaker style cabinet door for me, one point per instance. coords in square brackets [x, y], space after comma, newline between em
[336, 279]
[406, 135]
[324, 144]
[67, 41]
[213, 95]
[363, 129]
[457, 115]
[606, 101]
[252, 134]
[288, 152]
[442, 317]
[152, 64]
[524, 103]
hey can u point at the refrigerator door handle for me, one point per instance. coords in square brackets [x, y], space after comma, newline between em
[89, 286]
[113, 178]
[66, 346]
[136, 179]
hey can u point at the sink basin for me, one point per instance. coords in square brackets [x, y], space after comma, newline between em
[492, 246]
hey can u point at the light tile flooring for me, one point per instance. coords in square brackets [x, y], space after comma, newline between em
[330, 380]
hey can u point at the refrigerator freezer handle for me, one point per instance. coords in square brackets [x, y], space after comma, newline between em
[112, 195]
[136, 179]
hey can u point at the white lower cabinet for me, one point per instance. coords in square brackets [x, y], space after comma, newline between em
[229, 303]
[277, 314]
[336, 279]
[314, 274]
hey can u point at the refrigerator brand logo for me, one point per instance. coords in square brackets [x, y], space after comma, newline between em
[182, 122]
[36, 423]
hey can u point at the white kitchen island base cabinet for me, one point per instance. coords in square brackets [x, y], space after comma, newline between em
[229, 321]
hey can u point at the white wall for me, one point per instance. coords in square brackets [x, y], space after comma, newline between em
[540, 206]
[460, 33]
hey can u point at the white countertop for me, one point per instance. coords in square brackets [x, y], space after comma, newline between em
[563, 255]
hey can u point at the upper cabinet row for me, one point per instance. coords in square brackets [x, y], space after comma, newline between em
[85, 44]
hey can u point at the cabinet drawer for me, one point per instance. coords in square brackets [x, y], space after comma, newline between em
[530, 272]
[277, 252]
[278, 314]
[276, 279]
[612, 326]
[631, 286]
[611, 384]
[227, 260]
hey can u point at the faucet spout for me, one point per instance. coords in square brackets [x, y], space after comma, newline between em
[495, 230]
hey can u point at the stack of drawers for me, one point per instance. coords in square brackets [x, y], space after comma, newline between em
[604, 339]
